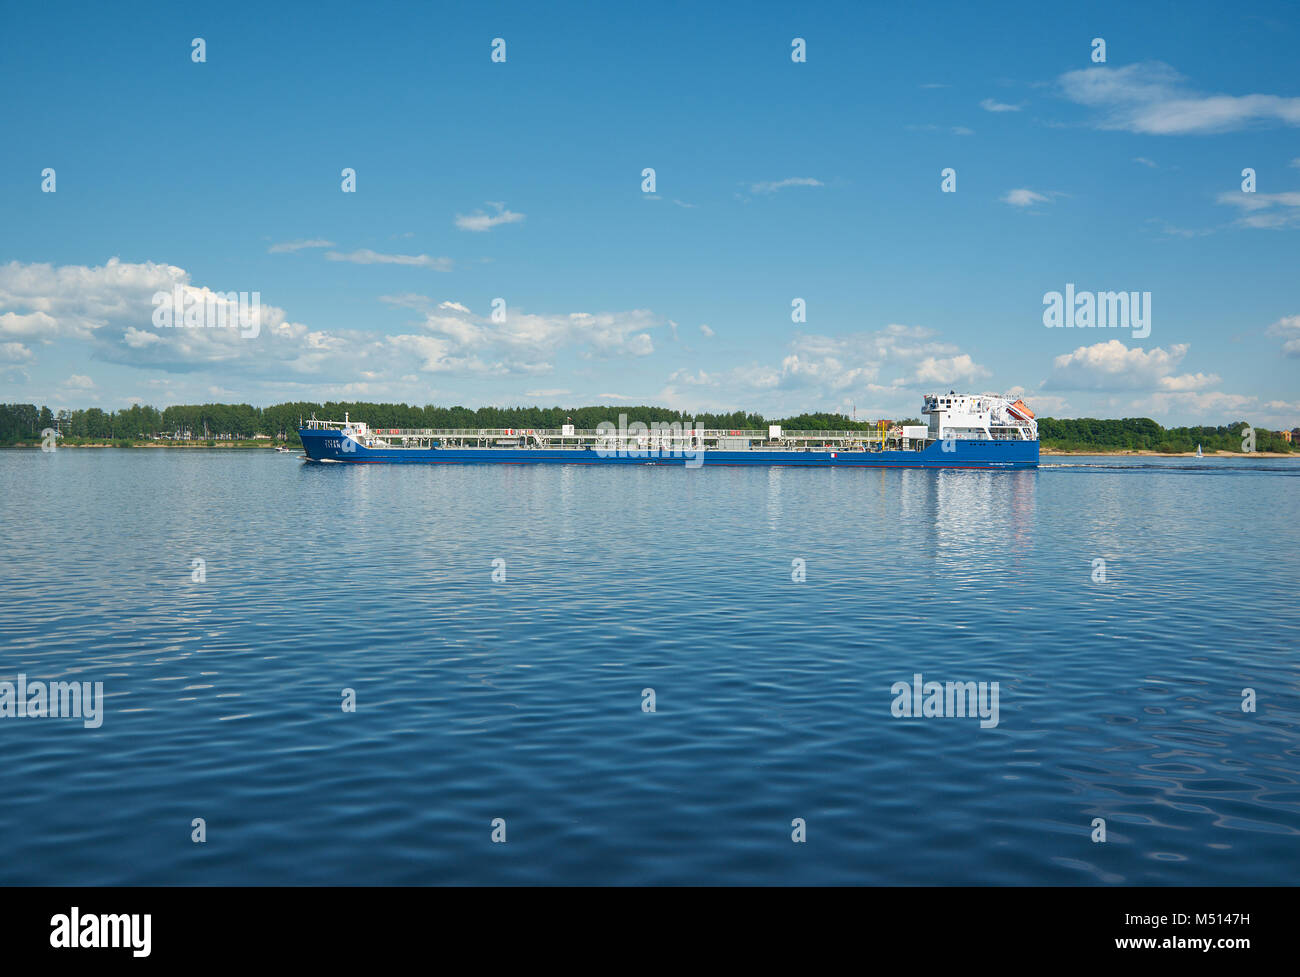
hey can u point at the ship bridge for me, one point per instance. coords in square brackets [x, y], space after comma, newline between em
[981, 417]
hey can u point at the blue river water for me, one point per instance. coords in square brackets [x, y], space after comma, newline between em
[499, 628]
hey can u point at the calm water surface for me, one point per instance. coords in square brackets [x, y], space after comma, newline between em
[522, 699]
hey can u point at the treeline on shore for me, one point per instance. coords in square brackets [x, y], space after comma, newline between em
[1144, 434]
[23, 423]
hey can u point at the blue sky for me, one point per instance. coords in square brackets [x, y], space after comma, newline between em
[775, 180]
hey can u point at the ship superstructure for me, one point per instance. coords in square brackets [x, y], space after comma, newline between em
[979, 417]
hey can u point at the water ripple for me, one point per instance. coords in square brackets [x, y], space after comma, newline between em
[1120, 699]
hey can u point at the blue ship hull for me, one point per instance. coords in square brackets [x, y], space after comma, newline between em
[326, 445]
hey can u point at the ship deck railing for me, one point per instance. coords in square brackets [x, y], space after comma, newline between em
[670, 432]
[661, 437]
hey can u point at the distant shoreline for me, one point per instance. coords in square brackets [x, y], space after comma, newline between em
[231, 445]
[1063, 452]
[1044, 452]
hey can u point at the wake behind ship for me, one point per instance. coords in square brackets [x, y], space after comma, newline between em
[964, 431]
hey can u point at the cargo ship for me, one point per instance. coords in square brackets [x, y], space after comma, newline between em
[987, 431]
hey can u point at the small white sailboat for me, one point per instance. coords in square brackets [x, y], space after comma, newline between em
[1198, 452]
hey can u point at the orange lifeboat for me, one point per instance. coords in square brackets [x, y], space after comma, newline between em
[1021, 411]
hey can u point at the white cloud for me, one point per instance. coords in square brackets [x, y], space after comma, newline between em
[78, 382]
[1288, 330]
[706, 331]
[794, 181]
[989, 105]
[439, 355]
[697, 379]
[34, 325]
[1267, 210]
[874, 372]
[367, 257]
[1279, 415]
[1146, 162]
[408, 300]
[1188, 382]
[14, 353]
[1114, 366]
[290, 246]
[1215, 404]
[1024, 197]
[481, 221]
[931, 127]
[109, 311]
[459, 341]
[1175, 231]
[821, 362]
[820, 368]
[1047, 405]
[40, 301]
[949, 370]
[139, 338]
[1152, 97]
